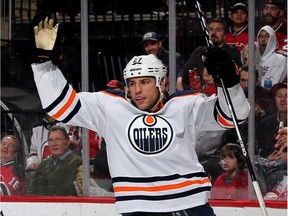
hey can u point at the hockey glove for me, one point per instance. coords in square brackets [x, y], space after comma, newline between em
[48, 42]
[219, 65]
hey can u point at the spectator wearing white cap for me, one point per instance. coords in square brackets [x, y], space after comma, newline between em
[238, 30]
[152, 44]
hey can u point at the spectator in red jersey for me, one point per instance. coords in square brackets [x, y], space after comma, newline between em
[233, 183]
[12, 175]
[272, 15]
[238, 30]
[209, 86]
[201, 81]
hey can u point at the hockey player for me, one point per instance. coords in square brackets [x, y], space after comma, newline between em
[150, 144]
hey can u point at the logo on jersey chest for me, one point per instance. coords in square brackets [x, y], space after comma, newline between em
[150, 134]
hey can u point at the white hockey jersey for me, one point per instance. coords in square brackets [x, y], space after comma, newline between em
[152, 159]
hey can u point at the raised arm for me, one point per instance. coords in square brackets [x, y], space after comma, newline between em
[219, 65]
[58, 98]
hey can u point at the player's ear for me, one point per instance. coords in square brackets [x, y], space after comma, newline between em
[163, 84]
[162, 80]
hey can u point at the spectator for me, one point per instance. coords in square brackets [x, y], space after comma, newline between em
[12, 174]
[218, 32]
[272, 66]
[238, 31]
[272, 15]
[202, 82]
[264, 102]
[209, 87]
[55, 175]
[271, 161]
[153, 45]
[268, 127]
[245, 54]
[233, 183]
[39, 148]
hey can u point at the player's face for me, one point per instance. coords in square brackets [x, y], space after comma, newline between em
[239, 17]
[58, 144]
[144, 92]
[8, 149]
[270, 14]
[281, 100]
[152, 47]
[217, 33]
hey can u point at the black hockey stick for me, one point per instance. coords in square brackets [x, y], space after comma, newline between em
[233, 115]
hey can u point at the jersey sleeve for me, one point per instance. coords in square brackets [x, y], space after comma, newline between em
[61, 101]
[214, 109]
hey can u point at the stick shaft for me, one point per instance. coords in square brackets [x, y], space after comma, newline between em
[203, 24]
[233, 115]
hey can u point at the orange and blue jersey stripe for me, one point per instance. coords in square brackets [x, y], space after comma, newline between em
[72, 97]
[159, 187]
